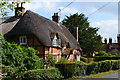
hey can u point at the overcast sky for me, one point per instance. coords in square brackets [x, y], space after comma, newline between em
[106, 18]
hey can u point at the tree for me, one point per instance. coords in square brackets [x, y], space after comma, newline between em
[89, 39]
[18, 58]
[6, 5]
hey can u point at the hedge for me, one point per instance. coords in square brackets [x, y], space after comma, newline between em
[81, 69]
[99, 58]
[43, 74]
[66, 69]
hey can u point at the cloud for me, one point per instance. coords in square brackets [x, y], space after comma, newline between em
[69, 10]
[35, 5]
[108, 28]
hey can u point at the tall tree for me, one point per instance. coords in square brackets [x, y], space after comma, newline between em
[89, 39]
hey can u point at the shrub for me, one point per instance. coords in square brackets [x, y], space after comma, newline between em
[50, 60]
[92, 68]
[115, 64]
[80, 69]
[105, 58]
[19, 58]
[103, 53]
[84, 59]
[43, 74]
[67, 69]
[63, 60]
[87, 60]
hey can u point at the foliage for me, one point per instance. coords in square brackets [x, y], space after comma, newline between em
[63, 60]
[89, 39]
[87, 60]
[67, 69]
[97, 58]
[6, 5]
[103, 53]
[19, 58]
[50, 60]
[43, 74]
[84, 59]
[82, 69]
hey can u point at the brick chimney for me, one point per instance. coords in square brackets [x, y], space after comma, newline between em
[105, 41]
[110, 40]
[19, 8]
[56, 18]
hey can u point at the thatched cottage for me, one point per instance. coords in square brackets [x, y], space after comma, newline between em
[45, 35]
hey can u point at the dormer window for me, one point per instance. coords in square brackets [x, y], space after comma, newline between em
[23, 40]
[56, 41]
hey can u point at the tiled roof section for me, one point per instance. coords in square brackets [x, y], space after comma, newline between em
[41, 27]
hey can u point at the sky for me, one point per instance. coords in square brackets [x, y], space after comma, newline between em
[101, 14]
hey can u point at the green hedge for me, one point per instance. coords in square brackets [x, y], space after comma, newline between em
[43, 74]
[81, 69]
[96, 58]
[66, 69]
[102, 66]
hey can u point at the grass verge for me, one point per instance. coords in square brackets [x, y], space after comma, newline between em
[95, 75]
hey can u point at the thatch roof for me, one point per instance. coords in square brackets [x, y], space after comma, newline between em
[7, 23]
[41, 27]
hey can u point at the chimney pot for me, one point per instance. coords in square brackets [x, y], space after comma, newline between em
[118, 38]
[55, 17]
[105, 40]
[21, 4]
[21, 9]
[17, 4]
[110, 40]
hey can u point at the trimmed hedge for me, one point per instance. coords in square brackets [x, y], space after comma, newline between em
[105, 58]
[66, 69]
[81, 69]
[43, 74]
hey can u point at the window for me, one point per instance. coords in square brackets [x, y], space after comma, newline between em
[23, 40]
[56, 41]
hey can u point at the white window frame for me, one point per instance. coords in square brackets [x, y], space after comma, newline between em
[23, 40]
[54, 41]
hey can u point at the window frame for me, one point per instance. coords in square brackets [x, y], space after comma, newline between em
[56, 41]
[22, 40]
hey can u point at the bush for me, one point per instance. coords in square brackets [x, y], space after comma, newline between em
[81, 68]
[115, 64]
[92, 68]
[103, 53]
[87, 60]
[43, 74]
[19, 58]
[67, 69]
[96, 58]
[105, 66]
[50, 60]
[84, 59]
[63, 60]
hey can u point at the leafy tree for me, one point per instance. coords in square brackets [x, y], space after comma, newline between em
[19, 58]
[89, 39]
[5, 6]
